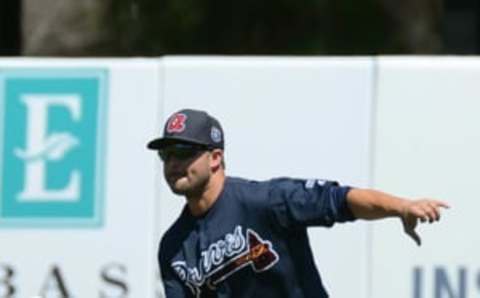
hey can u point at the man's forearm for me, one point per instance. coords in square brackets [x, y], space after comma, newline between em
[372, 204]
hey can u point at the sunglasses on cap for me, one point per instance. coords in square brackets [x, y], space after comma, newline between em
[181, 151]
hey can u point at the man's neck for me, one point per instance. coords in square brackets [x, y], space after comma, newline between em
[201, 204]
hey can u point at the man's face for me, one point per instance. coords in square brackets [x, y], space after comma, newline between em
[186, 168]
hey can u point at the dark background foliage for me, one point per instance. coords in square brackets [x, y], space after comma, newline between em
[249, 27]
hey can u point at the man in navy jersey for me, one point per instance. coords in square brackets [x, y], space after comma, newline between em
[242, 238]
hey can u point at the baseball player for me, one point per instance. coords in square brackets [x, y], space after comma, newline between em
[243, 238]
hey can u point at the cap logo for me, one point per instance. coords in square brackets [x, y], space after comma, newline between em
[216, 135]
[176, 124]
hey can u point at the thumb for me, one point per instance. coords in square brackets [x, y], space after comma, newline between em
[413, 234]
[409, 225]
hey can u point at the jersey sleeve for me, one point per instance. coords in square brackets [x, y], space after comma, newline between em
[297, 203]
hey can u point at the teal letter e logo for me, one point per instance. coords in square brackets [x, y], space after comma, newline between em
[52, 158]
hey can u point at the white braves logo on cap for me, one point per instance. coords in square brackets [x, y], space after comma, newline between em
[177, 123]
[216, 135]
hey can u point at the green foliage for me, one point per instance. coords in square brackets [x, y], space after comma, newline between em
[286, 27]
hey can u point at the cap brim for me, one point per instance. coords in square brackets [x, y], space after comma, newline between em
[160, 143]
[155, 144]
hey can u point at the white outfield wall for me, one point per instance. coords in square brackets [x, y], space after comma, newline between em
[287, 117]
[427, 144]
[404, 125]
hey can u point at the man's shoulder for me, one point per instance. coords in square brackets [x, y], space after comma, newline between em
[245, 188]
[238, 184]
[175, 235]
[240, 181]
[249, 187]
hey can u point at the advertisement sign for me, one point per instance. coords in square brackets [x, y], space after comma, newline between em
[53, 152]
[77, 201]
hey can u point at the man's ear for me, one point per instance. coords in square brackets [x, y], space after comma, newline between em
[216, 157]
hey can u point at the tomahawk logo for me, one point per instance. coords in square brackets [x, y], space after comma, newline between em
[53, 130]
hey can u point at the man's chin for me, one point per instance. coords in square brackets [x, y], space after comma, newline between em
[186, 191]
[178, 191]
[179, 188]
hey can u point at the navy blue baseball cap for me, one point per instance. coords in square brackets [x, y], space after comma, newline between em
[190, 126]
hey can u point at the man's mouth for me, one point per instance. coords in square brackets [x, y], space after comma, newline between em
[173, 177]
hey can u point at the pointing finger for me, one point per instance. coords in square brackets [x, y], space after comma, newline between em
[441, 204]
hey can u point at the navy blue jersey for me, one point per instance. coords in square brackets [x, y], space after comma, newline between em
[253, 241]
